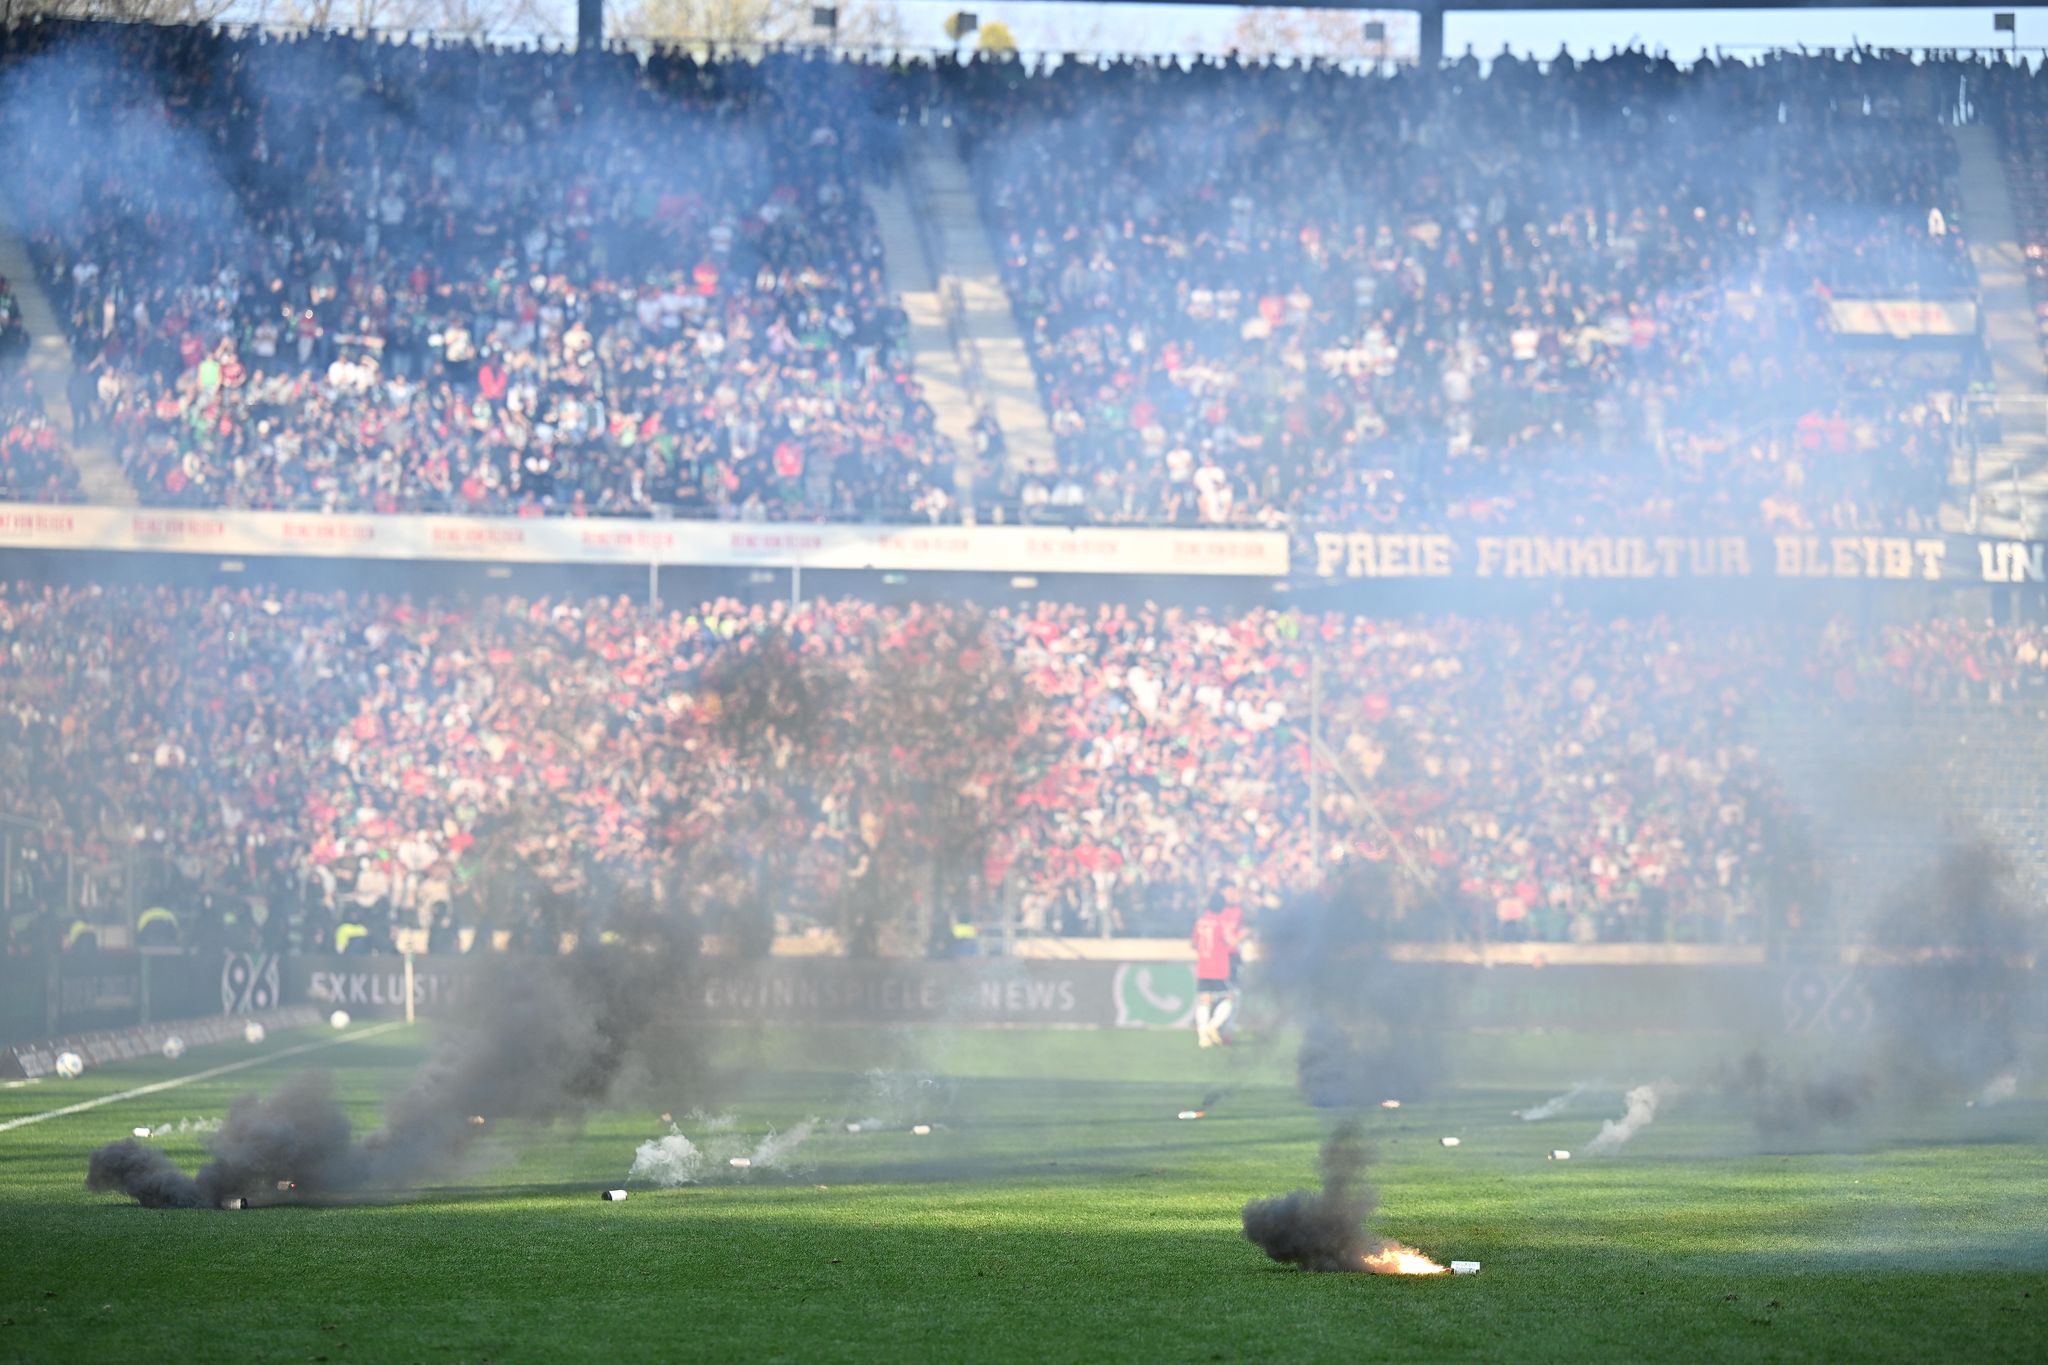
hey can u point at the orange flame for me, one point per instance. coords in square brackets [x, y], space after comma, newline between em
[1395, 1259]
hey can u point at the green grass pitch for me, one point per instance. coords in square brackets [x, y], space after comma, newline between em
[1059, 1211]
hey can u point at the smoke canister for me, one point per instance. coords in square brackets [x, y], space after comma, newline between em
[1560, 1154]
[1390, 1104]
[1448, 1142]
[922, 1129]
[1191, 1113]
[142, 1132]
[740, 1162]
[234, 1203]
[1464, 1267]
[613, 1196]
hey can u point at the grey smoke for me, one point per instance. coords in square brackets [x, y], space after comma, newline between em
[1953, 1014]
[295, 1133]
[1324, 1229]
[543, 1039]
[1788, 1100]
[1952, 984]
[1371, 1026]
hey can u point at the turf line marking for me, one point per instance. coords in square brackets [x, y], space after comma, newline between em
[176, 1081]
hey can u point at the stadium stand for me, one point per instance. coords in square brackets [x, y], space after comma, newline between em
[355, 274]
[335, 273]
[1562, 777]
[1407, 301]
[343, 274]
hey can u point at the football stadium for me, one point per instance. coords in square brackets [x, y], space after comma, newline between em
[746, 680]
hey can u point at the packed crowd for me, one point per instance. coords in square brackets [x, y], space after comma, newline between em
[350, 274]
[332, 273]
[531, 765]
[1594, 295]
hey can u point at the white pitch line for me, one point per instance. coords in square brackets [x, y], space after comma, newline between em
[208, 1075]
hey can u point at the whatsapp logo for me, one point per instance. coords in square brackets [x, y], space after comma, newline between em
[1155, 995]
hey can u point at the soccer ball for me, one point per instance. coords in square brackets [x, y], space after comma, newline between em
[339, 1019]
[174, 1047]
[70, 1065]
[254, 1032]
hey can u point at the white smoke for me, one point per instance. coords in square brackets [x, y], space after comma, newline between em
[667, 1161]
[1553, 1106]
[1997, 1091]
[674, 1159]
[186, 1126]
[1640, 1110]
[905, 1097]
[774, 1150]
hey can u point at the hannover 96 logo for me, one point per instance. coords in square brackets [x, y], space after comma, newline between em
[1155, 995]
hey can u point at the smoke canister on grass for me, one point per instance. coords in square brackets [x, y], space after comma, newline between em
[1560, 1154]
[921, 1129]
[1449, 1141]
[613, 1196]
[1464, 1267]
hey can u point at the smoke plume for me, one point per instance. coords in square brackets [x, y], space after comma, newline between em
[1640, 1110]
[542, 1039]
[1948, 987]
[1324, 1229]
[1370, 1027]
[667, 1161]
[1553, 1106]
[775, 1150]
[1787, 1102]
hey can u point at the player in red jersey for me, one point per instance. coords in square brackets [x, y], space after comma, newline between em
[1219, 933]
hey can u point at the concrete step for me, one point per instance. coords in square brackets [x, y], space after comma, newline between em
[933, 356]
[2006, 306]
[968, 268]
[50, 364]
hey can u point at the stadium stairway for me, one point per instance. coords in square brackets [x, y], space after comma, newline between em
[935, 353]
[993, 344]
[2013, 474]
[49, 363]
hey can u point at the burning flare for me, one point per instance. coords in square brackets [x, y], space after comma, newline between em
[1395, 1259]
[1325, 1230]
